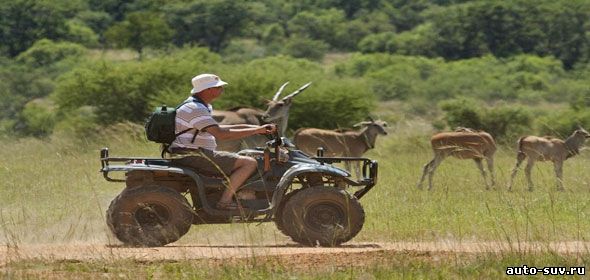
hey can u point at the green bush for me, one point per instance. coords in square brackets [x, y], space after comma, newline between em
[39, 117]
[19, 84]
[508, 122]
[78, 122]
[462, 112]
[397, 81]
[80, 33]
[563, 123]
[504, 122]
[302, 47]
[127, 91]
[46, 52]
[242, 50]
[319, 25]
[380, 42]
[332, 104]
[419, 41]
[526, 78]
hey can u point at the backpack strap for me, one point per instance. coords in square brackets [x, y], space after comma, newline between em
[196, 100]
[166, 146]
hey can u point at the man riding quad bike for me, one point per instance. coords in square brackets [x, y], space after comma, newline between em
[308, 198]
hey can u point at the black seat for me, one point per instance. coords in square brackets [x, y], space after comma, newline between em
[167, 162]
[163, 162]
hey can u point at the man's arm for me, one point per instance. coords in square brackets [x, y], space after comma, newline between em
[238, 126]
[224, 133]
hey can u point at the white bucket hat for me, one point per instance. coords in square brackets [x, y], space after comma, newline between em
[205, 81]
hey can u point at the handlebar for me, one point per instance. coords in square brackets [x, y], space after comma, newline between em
[275, 142]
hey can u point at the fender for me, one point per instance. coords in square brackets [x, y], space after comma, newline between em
[301, 168]
[199, 191]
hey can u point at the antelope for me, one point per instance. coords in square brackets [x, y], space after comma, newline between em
[335, 143]
[548, 148]
[277, 112]
[463, 143]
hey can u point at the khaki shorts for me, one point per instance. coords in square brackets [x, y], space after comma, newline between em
[206, 161]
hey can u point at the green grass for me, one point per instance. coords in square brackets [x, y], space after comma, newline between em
[51, 192]
[459, 207]
[380, 265]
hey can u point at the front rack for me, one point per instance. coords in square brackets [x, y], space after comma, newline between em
[369, 171]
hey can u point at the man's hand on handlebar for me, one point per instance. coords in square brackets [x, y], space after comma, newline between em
[268, 129]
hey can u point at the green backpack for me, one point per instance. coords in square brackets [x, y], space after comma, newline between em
[161, 124]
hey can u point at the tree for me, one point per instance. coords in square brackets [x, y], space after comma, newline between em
[509, 28]
[46, 52]
[22, 22]
[140, 30]
[320, 25]
[301, 47]
[97, 21]
[208, 22]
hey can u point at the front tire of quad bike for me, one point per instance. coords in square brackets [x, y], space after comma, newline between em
[322, 215]
[149, 216]
[278, 218]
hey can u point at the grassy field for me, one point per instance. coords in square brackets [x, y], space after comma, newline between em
[51, 192]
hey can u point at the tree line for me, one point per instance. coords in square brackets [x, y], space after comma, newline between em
[448, 29]
[453, 56]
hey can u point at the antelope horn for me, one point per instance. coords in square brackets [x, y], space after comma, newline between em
[361, 124]
[279, 91]
[297, 91]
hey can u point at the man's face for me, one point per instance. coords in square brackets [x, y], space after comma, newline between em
[212, 93]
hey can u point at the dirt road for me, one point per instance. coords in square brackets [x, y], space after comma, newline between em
[88, 252]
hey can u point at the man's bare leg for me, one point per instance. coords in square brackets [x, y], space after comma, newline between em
[243, 169]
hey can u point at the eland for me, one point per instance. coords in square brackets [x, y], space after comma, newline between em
[547, 149]
[463, 143]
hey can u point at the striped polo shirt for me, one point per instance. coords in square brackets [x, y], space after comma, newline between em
[194, 115]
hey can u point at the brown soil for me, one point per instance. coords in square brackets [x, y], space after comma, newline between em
[287, 253]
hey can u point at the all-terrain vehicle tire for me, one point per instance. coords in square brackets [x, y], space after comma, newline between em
[322, 215]
[278, 217]
[149, 216]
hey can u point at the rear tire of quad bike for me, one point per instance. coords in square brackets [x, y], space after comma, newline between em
[322, 215]
[149, 216]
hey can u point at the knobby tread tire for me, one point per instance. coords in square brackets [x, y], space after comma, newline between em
[322, 216]
[123, 221]
[278, 218]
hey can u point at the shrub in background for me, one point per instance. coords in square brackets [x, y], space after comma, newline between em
[39, 117]
[504, 122]
[303, 47]
[129, 91]
[46, 52]
[563, 123]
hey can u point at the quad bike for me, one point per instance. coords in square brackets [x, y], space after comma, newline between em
[308, 198]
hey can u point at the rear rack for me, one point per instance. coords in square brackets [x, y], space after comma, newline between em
[105, 161]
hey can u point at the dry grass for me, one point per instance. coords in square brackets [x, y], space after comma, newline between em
[51, 192]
